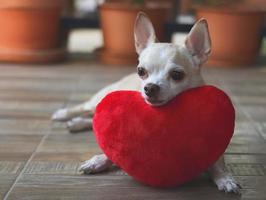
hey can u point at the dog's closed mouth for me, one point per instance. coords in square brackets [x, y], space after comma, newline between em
[154, 102]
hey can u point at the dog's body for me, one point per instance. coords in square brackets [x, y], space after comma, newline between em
[164, 71]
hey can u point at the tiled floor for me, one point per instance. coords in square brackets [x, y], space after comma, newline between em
[39, 159]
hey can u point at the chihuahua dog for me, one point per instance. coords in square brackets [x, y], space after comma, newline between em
[164, 71]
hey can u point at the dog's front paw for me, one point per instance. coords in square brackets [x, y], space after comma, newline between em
[79, 124]
[228, 184]
[96, 164]
[60, 115]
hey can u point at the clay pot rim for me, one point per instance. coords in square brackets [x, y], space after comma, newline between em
[115, 54]
[31, 4]
[31, 56]
[230, 9]
[131, 7]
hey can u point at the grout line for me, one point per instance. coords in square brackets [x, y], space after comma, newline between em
[240, 106]
[27, 164]
[64, 103]
[246, 153]
[253, 122]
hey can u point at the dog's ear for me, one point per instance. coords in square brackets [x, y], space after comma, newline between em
[143, 32]
[198, 42]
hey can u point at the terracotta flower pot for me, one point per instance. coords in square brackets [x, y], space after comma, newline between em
[235, 34]
[259, 4]
[29, 30]
[117, 22]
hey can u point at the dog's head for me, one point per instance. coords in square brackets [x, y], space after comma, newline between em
[167, 69]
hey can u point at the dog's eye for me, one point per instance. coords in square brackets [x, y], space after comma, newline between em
[177, 75]
[142, 72]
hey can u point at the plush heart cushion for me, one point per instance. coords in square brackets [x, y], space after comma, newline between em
[168, 145]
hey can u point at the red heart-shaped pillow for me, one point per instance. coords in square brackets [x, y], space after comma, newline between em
[167, 145]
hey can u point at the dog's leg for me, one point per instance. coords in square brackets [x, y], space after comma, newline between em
[86, 109]
[65, 114]
[222, 178]
[79, 124]
[96, 164]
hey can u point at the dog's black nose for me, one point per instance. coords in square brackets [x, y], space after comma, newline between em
[151, 90]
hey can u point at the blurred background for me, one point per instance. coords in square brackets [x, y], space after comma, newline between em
[36, 31]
